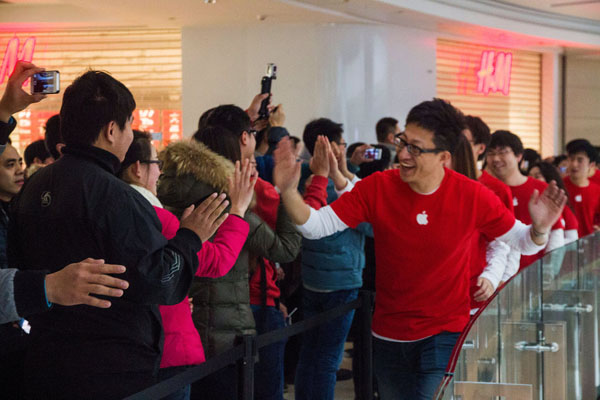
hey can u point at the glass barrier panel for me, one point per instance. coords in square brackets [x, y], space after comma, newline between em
[568, 318]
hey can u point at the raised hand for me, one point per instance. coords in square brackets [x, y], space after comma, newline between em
[205, 219]
[254, 107]
[74, 284]
[546, 209]
[320, 163]
[358, 155]
[241, 188]
[277, 116]
[286, 173]
[15, 99]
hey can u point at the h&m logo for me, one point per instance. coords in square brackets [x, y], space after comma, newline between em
[15, 52]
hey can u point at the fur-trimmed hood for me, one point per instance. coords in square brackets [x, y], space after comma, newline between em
[191, 172]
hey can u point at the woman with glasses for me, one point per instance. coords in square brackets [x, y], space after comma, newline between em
[141, 169]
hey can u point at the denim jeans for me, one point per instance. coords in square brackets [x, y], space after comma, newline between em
[322, 347]
[412, 370]
[268, 372]
[181, 394]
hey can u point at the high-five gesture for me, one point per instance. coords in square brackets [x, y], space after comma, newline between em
[286, 174]
[319, 163]
[545, 209]
[241, 188]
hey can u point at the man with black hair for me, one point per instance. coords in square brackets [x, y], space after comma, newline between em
[386, 130]
[504, 155]
[584, 195]
[331, 272]
[77, 207]
[422, 295]
[53, 138]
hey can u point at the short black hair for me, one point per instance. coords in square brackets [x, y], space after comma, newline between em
[91, 102]
[140, 149]
[530, 157]
[220, 141]
[228, 116]
[582, 146]
[438, 116]
[506, 139]
[479, 130]
[36, 149]
[53, 136]
[322, 126]
[558, 159]
[384, 127]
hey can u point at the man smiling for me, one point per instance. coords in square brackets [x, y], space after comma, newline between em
[422, 295]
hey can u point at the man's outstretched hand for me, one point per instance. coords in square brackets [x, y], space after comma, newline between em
[75, 283]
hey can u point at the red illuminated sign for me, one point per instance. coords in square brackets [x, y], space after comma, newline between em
[172, 126]
[147, 120]
[15, 52]
[494, 72]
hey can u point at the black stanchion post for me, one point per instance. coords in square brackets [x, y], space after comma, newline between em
[246, 385]
[366, 345]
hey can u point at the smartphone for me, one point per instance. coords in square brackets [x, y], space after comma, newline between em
[265, 87]
[46, 82]
[373, 154]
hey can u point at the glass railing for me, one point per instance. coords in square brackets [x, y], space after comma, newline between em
[538, 337]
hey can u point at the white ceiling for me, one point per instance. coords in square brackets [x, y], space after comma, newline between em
[68, 14]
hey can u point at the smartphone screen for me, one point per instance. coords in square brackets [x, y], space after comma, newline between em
[373, 154]
[46, 82]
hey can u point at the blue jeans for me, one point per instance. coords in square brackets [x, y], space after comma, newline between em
[181, 394]
[322, 347]
[268, 372]
[412, 370]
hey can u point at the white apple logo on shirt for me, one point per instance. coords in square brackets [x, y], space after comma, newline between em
[578, 198]
[515, 201]
[422, 218]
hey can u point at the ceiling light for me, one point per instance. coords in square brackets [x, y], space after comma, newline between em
[210, 1]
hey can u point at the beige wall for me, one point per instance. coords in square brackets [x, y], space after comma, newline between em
[582, 99]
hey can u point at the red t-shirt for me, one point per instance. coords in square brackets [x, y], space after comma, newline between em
[521, 196]
[596, 177]
[586, 203]
[422, 248]
[267, 202]
[569, 220]
[501, 189]
[479, 261]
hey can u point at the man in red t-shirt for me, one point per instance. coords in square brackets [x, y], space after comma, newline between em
[503, 156]
[423, 217]
[486, 272]
[584, 195]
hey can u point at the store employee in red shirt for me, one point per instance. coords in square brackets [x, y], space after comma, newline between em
[423, 217]
[503, 156]
[584, 195]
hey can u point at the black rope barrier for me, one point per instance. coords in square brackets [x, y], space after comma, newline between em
[247, 351]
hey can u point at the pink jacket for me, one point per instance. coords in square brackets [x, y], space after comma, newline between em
[182, 341]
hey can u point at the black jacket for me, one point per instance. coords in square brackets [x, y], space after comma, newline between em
[74, 209]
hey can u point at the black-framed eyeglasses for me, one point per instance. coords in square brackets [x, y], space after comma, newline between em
[159, 162]
[252, 132]
[413, 150]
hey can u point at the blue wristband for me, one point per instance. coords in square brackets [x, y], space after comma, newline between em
[46, 295]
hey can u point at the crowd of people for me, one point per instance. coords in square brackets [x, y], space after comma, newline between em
[123, 264]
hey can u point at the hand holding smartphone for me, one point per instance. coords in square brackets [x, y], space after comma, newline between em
[45, 82]
[265, 87]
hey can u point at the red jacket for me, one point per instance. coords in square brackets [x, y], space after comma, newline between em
[182, 341]
[267, 202]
